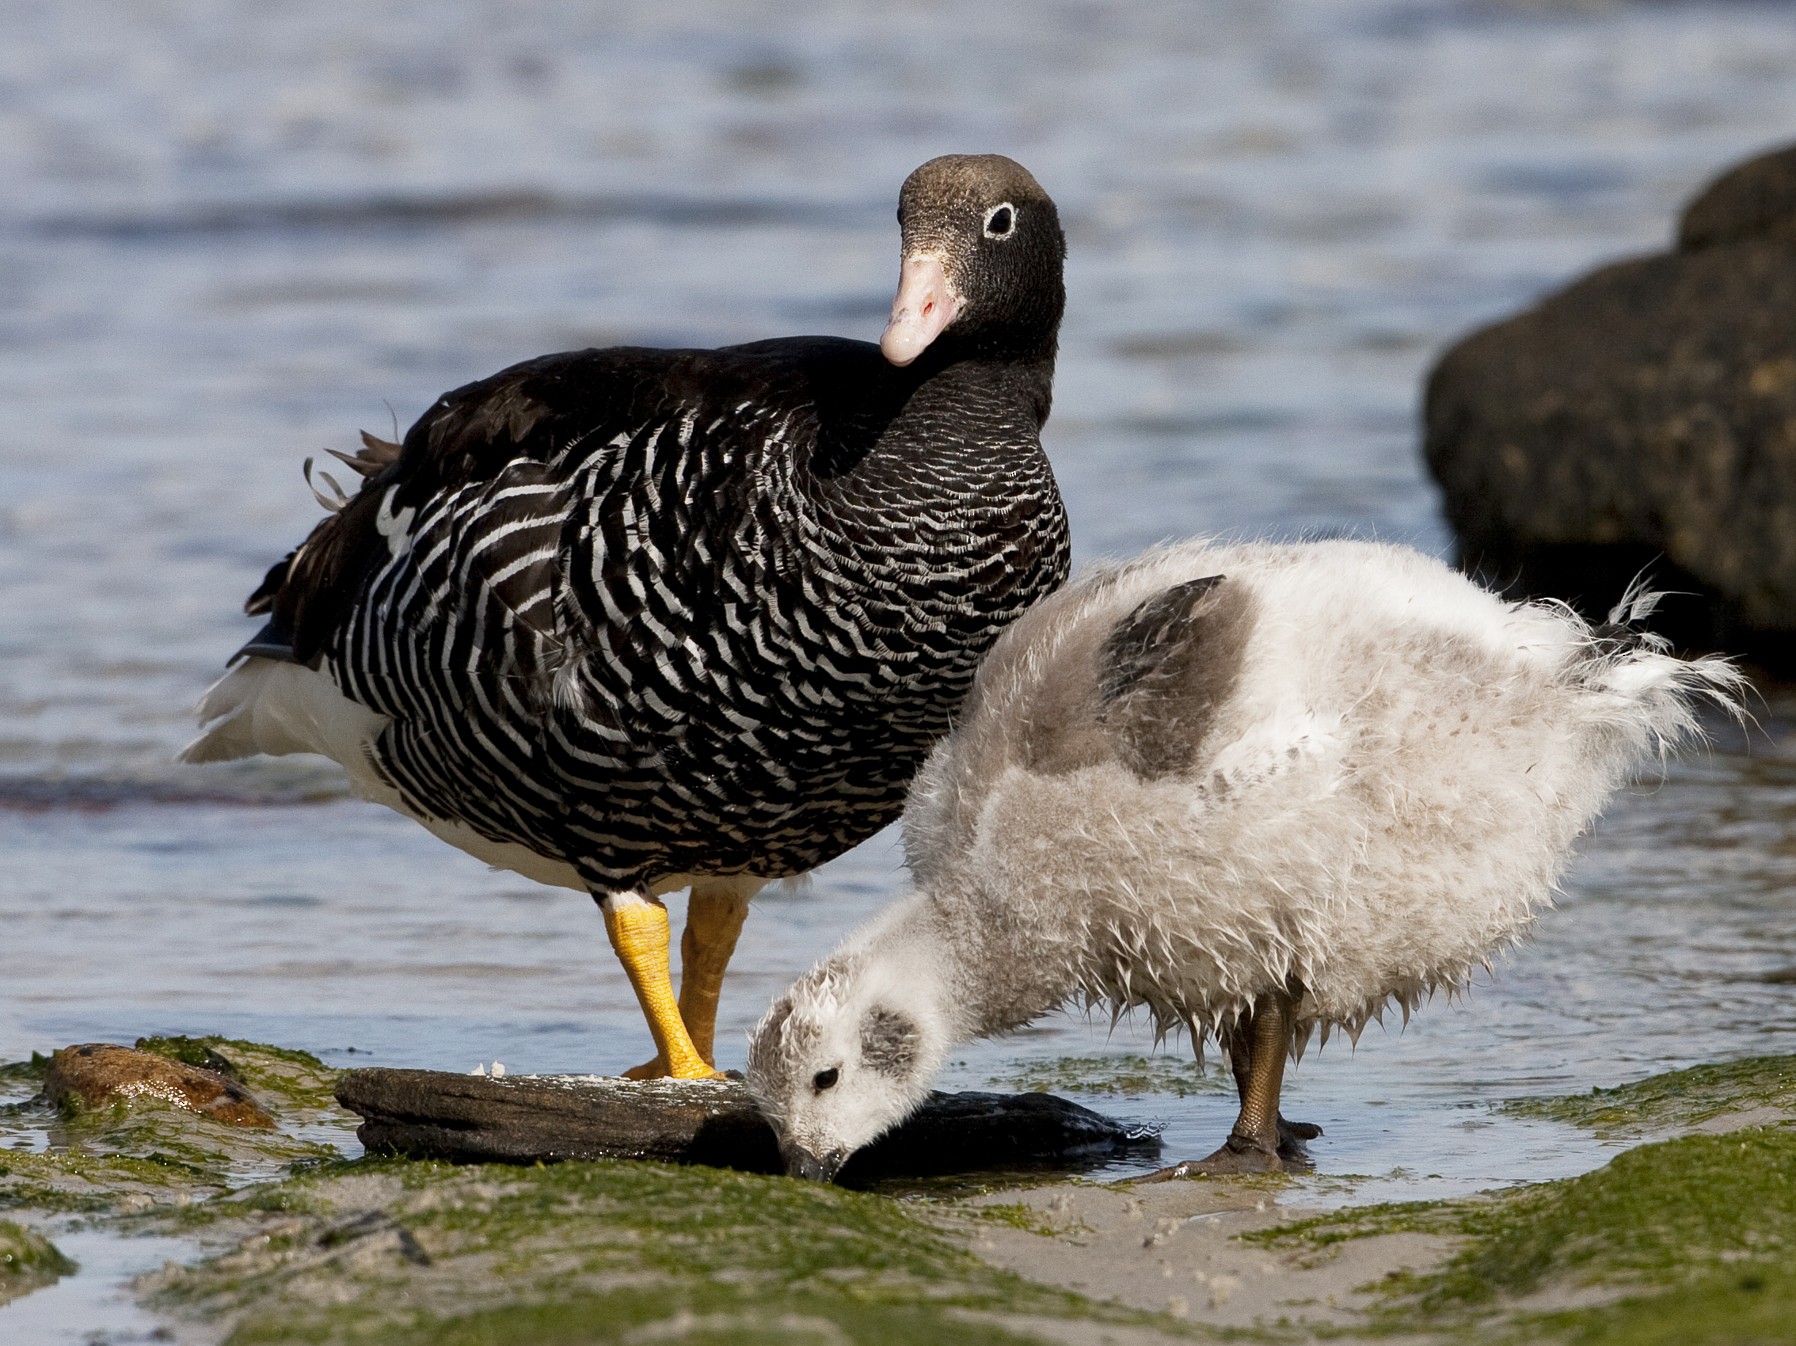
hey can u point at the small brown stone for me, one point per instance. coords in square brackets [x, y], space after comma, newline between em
[94, 1072]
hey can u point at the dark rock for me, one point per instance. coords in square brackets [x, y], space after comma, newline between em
[94, 1073]
[1644, 417]
[973, 1132]
[543, 1119]
[1756, 199]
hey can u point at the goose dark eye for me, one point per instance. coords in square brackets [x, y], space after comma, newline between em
[826, 1079]
[999, 220]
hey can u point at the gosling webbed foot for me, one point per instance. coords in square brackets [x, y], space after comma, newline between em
[1239, 1154]
[1261, 1141]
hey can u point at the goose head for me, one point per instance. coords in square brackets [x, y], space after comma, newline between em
[982, 262]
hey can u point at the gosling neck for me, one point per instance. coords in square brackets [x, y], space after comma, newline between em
[975, 978]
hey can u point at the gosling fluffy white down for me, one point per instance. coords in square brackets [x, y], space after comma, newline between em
[1254, 789]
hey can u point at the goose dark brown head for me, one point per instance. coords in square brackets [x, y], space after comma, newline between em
[983, 257]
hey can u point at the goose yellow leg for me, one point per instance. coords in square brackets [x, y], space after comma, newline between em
[639, 935]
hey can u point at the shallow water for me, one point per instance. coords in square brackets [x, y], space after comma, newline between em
[94, 1306]
[235, 235]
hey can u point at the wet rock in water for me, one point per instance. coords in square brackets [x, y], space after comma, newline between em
[532, 1119]
[91, 1074]
[27, 1260]
[1644, 417]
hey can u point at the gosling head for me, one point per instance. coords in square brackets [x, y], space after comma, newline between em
[843, 1056]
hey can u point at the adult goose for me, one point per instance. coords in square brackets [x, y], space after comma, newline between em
[631, 620]
[1256, 790]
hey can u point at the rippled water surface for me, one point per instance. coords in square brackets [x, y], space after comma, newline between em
[234, 234]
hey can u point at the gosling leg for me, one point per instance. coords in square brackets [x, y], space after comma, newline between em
[1255, 1141]
[1291, 1135]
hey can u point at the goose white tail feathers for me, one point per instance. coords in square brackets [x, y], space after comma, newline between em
[274, 707]
[1637, 603]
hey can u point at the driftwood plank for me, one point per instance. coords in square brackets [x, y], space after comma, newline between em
[548, 1118]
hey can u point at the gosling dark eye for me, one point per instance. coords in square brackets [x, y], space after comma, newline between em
[1000, 220]
[826, 1079]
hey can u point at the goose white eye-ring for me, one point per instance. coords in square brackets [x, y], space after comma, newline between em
[1000, 220]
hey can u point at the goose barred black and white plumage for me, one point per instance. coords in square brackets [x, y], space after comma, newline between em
[686, 617]
[658, 615]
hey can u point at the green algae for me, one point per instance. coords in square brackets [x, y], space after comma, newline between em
[24, 1075]
[1753, 1305]
[1681, 1099]
[131, 1154]
[1018, 1215]
[1129, 1076]
[78, 1181]
[1660, 1213]
[1321, 1232]
[702, 1316]
[504, 1255]
[23, 1113]
[27, 1260]
[215, 1152]
[1706, 1217]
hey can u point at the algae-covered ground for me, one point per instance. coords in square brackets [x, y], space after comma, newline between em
[1690, 1239]
[403, 1252]
[1690, 1236]
[138, 1154]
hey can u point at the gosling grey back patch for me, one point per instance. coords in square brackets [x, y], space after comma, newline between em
[1166, 669]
